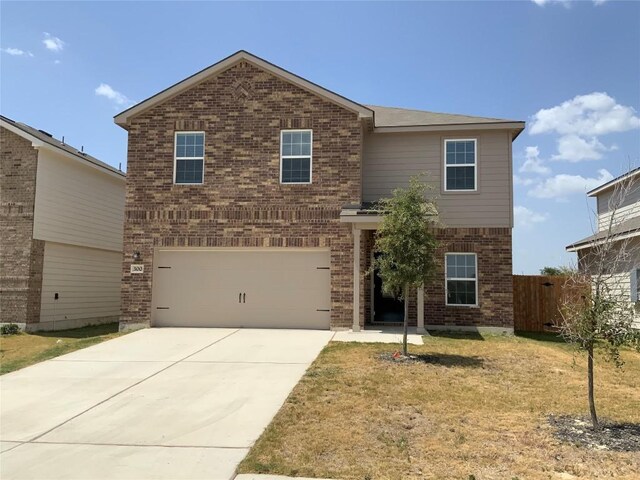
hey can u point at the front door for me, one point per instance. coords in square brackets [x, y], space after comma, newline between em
[386, 308]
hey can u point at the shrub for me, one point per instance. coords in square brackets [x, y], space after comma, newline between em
[10, 329]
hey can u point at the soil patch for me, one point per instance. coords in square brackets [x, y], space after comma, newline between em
[445, 360]
[619, 437]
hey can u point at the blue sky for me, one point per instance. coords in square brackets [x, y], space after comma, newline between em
[571, 69]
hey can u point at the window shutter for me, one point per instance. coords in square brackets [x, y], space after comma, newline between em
[634, 285]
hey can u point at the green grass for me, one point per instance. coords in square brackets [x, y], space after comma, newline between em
[24, 349]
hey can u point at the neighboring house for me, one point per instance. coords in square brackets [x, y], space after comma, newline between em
[61, 222]
[248, 204]
[618, 220]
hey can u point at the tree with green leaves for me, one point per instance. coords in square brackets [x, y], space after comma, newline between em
[562, 270]
[406, 243]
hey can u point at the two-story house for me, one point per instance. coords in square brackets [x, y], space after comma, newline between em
[248, 205]
[617, 226]
[61, 224]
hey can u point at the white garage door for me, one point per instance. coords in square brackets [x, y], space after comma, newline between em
[282, 288]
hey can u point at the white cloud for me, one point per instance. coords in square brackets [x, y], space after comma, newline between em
[17, 52]
[563, 185]
[118, 98]
[564, 3]
[542, 3]
[53, 43]
[580, 121]
[586, 115]
[573, 148]
[533, 163]
[526, 218]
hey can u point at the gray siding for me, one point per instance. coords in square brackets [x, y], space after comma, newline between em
[390, 159]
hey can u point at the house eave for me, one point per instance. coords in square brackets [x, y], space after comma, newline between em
[39, 144]
[574, 247]
[517, 127]
[612, 183]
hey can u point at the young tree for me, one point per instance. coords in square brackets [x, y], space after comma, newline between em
[406, 243]
[597, 308]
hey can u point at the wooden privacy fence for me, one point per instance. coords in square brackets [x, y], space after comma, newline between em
[536, 301]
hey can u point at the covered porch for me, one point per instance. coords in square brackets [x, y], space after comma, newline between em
[371, 308]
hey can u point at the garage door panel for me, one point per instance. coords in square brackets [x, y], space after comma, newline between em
[242, 288]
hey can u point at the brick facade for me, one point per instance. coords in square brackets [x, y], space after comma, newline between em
[242, 203]
[495, 281]
[21, 257]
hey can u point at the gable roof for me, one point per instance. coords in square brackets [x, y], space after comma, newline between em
[612, 183]
[382, 119]
[42, 138]
[123, 117]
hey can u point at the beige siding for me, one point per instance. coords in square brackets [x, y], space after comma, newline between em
[87, 281]
[391, 158]
[629, 207]
[77, 204]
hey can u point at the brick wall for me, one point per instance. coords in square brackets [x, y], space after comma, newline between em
[495, 281]
[242, 203]
[21, 257]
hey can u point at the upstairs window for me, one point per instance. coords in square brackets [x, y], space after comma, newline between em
[461, 279]
[189, 158]
[295, 156]
[634, 282]
[460, 165]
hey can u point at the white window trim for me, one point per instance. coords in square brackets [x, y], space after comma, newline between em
[446, 279]
[310, 156]
[175, 156]
[474, 164]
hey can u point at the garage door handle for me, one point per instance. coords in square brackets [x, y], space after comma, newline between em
[240, 297]
[244, 298]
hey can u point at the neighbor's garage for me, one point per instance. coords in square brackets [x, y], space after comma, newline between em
[258, 288]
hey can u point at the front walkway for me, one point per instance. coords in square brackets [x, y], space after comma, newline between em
[372, 334]
[157, 403]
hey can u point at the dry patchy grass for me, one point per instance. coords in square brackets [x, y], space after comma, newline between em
[479, 412]
[24, 349]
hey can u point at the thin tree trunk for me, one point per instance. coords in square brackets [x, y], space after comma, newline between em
[405, 325]
[592, 401]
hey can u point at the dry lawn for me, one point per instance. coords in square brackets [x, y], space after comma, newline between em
[477, 413]
[24, 349]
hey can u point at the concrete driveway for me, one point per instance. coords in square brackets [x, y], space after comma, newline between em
[155, 404]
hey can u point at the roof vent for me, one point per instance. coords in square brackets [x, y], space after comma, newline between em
[46, 133]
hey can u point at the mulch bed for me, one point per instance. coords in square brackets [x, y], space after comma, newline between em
[619, 437]
[398, 357]
[445, 360]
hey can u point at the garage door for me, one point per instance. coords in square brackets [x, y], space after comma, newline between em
[283, 288]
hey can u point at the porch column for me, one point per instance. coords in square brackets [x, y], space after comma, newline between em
[356, 279]
[420, 309]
